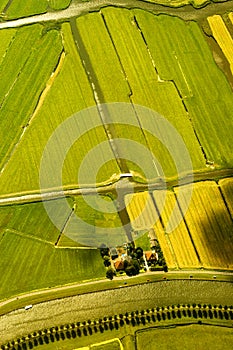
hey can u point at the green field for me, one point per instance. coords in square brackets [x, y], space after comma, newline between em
[149, 91]
[21, 85]
[98, 222]
[181, 54]
[31, 7]
[39, 265]
[186, 337]
[72, 93]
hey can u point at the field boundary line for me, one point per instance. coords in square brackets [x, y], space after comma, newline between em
[40, 102]
[27, 235]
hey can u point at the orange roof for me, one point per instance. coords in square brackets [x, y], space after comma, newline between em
[119, 265]
[150, 256]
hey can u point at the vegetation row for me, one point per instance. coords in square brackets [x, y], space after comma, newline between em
[134, 318]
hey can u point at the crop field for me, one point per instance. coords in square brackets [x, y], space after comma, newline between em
[210, 225]
[31, 7]
[68, 92]
[144, 216]
[148, 90]
[138, 77]
[204, 238]
[40, 265]
[186, 337]
[98, 222]
[222, 36]
[17, 81]
[181, 53]
[180, 241]
[226, 186]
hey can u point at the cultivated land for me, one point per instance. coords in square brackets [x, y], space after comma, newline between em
[222, 36]
[187, 337]
[114, 55]
[203, 238]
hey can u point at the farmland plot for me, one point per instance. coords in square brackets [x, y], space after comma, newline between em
[144, 216]
[222, 36]
[33, 220]
[179, 238]
[6, 36]
[181, 54]
[209, 224]
[226, 186]
[22, 84]
[95, 221]
[148, 89]
[71, 92]
[46, 266]
[33, 7]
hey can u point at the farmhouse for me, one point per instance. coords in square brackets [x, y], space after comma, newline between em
[119, 265]
[151, 257]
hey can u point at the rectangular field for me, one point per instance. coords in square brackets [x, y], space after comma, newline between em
[181, 54]
[22, 84]
[68, 94]
[209, 224]
[189, 337]
[222, 36]
[39, 265]
[144, 216]
[226, 186]
[16, 10]
[150, 91]
[176, 230]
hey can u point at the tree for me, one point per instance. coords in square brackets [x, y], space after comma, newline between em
[110, 273]
[130, 270]
[106, 261]
[139, 252]
[136, 265]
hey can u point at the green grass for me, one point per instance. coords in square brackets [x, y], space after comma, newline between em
[148, 91]
[143, 242]
[6, 36]
[98, 222]
[31, 7]
[105, 64]
[22, 84]
[181, 54]
[185, 337]
[32, 219]
[59, 4]
[69, 94]
[28, 264]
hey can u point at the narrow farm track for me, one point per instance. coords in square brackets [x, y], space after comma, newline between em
[186, 12]
[22, 198]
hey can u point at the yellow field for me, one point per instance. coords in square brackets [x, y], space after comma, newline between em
[222, 36]
[231, 17]
[210, 225]
[143, 216]
[226, 186]
[179, 237]
[203, 238]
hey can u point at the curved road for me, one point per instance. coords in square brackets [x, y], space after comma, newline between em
[186, 12]
[105, 303]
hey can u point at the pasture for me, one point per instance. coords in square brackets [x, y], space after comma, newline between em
[38, 265]
[32, 7]
[186, 337]
[180, 53]
[68, 92]
[28, 78]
